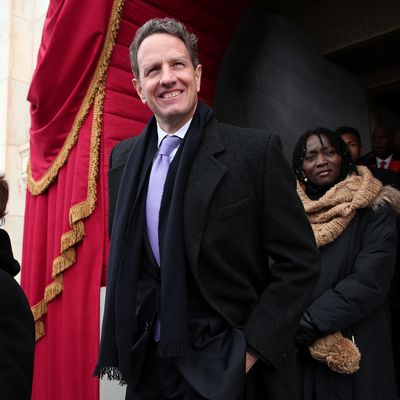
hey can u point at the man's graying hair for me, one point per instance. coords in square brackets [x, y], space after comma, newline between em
[164, 25]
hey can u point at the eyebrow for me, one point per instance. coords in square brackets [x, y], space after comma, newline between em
[312, 151]
[172, 60]
[146, 67]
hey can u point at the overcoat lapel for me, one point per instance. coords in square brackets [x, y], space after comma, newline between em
[205, 174]
[147, 162]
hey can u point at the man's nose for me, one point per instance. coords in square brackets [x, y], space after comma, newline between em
[167, 76]
[375, 140]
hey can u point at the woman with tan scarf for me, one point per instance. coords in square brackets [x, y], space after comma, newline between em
[344, 336]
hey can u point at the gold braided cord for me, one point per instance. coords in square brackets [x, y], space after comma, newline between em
[37, 187]
[80, 211]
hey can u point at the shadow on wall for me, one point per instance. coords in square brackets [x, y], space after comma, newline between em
[273, 78]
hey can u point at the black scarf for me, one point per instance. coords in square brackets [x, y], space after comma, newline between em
[119, 324]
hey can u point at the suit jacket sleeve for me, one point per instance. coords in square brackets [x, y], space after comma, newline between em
[289, 241]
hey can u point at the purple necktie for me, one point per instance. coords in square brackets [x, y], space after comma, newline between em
[158, 175]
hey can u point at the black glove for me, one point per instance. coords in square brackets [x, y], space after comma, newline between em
[307, 332]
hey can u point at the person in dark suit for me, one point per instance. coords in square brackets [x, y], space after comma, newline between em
[387, 173]
[17, 332]
[383, 154]
[193, 303]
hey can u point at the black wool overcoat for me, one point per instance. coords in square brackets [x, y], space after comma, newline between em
[240, 210]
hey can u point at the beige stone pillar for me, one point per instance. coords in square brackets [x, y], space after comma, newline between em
[21, 23]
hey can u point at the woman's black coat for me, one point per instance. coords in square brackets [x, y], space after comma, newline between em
[17, 333]
[351, 297]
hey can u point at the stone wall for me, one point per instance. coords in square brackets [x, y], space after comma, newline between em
[272, 77]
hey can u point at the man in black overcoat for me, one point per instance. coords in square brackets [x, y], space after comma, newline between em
[203, 303]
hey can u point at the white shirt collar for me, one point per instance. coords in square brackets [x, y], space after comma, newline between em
[181, 132]
[387, 160]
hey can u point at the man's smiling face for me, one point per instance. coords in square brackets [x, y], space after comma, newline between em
[168, 81]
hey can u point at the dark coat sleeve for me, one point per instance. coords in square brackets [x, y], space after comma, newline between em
[289, 241]
[17, 340]
[367, 286]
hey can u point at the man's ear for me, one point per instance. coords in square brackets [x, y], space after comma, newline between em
[137, 85]
[197, 74]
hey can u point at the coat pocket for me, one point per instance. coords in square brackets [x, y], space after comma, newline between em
[231, 210]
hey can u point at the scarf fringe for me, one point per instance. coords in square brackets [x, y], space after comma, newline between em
[176, 351]
[112, 374]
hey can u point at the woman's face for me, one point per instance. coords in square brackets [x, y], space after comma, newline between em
[321, 163]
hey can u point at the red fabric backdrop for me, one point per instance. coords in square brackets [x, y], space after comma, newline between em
[82, 103]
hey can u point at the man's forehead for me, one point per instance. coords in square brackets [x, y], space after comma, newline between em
[159, 48]
[349, 137]
[162, 40]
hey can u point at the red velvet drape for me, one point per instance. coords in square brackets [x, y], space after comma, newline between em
[82, 103]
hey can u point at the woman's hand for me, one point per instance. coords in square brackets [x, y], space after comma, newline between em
[307, 332]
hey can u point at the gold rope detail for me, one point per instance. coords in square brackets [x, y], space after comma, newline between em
[82, 210]
[37, 187]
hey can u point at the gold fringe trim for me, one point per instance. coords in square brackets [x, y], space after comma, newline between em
[39, 330]
[63, 262]
[39, 309]
[80, 211]
[85, 208]
[73, 236]
[37, 187]
[54, 288]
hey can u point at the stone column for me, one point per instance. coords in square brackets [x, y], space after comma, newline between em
[21, 23]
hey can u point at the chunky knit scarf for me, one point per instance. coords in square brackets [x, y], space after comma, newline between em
[331, 214]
